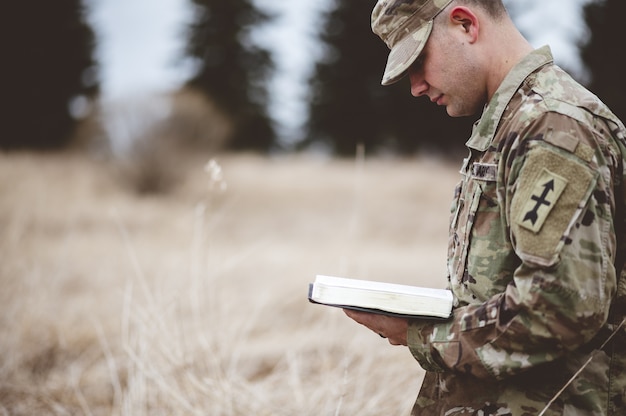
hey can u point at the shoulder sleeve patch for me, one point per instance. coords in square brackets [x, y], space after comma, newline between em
[551, 193]
[546, 193]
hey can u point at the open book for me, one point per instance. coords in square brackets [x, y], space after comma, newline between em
[379, 297]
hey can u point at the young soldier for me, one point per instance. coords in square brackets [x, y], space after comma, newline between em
[538, 228]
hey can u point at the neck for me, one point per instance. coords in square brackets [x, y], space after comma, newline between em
[508, 48]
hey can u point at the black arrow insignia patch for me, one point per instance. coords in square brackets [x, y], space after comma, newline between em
[546, 192]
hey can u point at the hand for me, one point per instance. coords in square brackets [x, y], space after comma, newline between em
[392, 328]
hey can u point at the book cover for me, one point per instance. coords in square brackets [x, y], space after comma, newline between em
[380, 297]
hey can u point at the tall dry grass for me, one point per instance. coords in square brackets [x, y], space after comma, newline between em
[195, 302]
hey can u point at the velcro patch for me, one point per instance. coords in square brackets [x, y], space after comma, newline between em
[552, 191]
[485, 171]
[547, 191]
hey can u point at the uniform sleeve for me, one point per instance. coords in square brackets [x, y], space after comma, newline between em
[559, 207]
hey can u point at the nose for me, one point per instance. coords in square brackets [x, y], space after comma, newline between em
[419, 86]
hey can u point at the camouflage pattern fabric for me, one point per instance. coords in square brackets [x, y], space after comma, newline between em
[404, 25]
[536, 258]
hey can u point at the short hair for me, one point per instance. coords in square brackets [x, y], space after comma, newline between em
[495, 8]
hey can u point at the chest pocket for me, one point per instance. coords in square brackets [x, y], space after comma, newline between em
[476, 243]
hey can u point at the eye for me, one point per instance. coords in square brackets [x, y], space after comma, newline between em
[418, 63]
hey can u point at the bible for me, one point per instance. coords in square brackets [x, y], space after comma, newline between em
[380, 297]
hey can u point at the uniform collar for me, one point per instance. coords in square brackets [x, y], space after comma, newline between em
[485, 129]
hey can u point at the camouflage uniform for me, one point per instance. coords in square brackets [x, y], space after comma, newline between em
[536, 258]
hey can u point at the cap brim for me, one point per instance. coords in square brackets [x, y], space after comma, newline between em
[405, 52]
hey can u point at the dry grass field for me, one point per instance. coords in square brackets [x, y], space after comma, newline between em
[194, 302]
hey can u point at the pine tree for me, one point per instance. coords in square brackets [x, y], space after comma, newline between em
[233, 71]
[349, 106]
[346, 82]
[602, 53]
[47, 62]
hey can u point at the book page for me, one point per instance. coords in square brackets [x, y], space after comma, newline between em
[380, 286]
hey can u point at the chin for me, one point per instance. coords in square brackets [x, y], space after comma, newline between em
[456, 113]
[452, 113]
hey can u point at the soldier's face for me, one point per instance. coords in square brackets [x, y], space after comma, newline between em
[449, 74]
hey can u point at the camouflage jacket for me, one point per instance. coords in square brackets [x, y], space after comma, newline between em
[536, 258]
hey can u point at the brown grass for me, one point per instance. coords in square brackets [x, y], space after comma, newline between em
[195, 302]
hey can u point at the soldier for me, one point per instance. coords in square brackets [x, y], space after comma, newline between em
[538, 228]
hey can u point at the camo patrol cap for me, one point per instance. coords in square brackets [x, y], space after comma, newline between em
[404, 25]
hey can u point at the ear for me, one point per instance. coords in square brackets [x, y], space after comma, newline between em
[465, 19]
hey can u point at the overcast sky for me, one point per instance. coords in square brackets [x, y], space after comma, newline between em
[140, 44]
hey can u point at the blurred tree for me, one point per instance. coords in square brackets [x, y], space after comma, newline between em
[349, 106]
[602, 53]
[233, 71]
[47, 72]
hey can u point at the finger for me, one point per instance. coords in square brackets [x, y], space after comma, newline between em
[363, 318]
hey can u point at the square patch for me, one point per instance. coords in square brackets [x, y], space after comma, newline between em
[546, 192]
